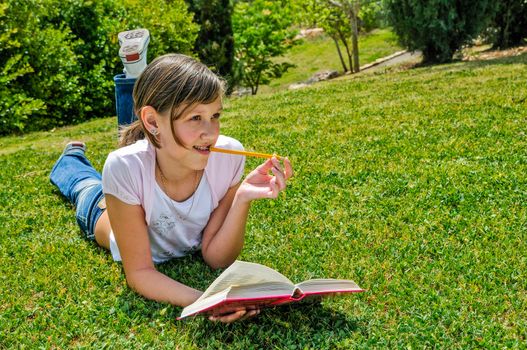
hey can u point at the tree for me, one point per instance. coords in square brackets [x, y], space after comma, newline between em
[342, 20]
[510, 23]
[372, 15]
[335, 23]
[261, 33]
[351, 8]
[438, 27]
[215, 42]
[306, 13]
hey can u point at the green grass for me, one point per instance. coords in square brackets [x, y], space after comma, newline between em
[319, 54]
[411, 183]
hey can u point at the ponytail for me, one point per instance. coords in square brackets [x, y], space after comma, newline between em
[131, 133]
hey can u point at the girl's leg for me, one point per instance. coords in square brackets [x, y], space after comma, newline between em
[123, 99]
[81, 184]
[102, 230]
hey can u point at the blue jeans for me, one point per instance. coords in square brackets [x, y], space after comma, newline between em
[81, 184]
[77, 179]
[123, 99]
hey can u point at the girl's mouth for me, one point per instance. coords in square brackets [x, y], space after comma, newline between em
[202, 149]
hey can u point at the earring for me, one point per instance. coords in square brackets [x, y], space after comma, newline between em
[154, 131]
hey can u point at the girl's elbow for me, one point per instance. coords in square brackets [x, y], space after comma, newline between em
[136, 280]
[133, 283]
[219, 258]
[218, 263]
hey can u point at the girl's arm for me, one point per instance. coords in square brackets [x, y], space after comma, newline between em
[130, 230]
[224, 235]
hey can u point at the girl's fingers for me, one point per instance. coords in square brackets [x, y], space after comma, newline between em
[280, 178]
[280, 173]
[288, 170]
[265, 167]
[269, 178]
[229, 318]
[239, 315]
[249, 314]
[276, 164]
[274, 188]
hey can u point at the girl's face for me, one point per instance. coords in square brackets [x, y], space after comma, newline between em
[197, 129]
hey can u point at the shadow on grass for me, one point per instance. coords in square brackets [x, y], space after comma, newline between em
[306, 324]
[476, 63]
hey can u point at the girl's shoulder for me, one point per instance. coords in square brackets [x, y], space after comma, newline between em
[220, 160]
[138, 152]
[128, 171]
[224, 170]
[139, 148]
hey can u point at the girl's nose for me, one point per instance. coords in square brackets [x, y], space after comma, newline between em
[209, 129]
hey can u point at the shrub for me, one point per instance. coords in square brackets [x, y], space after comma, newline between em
[510, 23]
[58, 57]
[169, 22]
[15, 105]
[372, 16]
[215, 42]
[261, 32]
[40, 66]
[438, 27]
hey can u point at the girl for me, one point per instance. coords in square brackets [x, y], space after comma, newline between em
[164, 194]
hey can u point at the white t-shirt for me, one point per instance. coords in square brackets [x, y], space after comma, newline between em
[174, 228]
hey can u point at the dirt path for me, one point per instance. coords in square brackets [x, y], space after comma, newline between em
[392, 60]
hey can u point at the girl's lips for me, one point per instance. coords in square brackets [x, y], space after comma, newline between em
[205, 150]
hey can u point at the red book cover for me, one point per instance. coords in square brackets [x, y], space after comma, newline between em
[256, 286]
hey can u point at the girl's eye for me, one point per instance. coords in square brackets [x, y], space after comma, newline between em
[216, 116]
[195, 117]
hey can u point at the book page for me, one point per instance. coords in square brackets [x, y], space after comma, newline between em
[261, 290]
[203, 304]
[321, 286]
[242, 273]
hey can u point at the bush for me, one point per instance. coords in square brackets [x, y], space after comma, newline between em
[58, 57]
[215, 43]
[169, 22]
[438, 27]
[372, 16]
[40, 66]
[15, 105]
[261, 32]
[509, 24]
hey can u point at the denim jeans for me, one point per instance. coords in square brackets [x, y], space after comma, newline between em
[124, 102]
[81, 184]
[76, 178]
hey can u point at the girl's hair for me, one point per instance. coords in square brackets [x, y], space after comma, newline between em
[171, 84]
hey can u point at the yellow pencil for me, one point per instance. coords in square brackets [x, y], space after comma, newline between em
[245, 153]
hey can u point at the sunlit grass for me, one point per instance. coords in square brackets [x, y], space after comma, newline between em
[413, 184]
[318, 54]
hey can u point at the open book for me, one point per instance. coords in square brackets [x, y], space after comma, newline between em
[254, 285]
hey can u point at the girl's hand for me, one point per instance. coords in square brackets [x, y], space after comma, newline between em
[229, 315]
[260, 184]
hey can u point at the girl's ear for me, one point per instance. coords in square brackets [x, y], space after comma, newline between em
[149, 117]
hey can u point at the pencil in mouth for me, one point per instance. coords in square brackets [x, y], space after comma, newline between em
[244, 153]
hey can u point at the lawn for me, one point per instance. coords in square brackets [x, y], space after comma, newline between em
[412, 183]
[318, 54]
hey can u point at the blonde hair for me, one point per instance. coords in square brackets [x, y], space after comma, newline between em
[171, 84]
